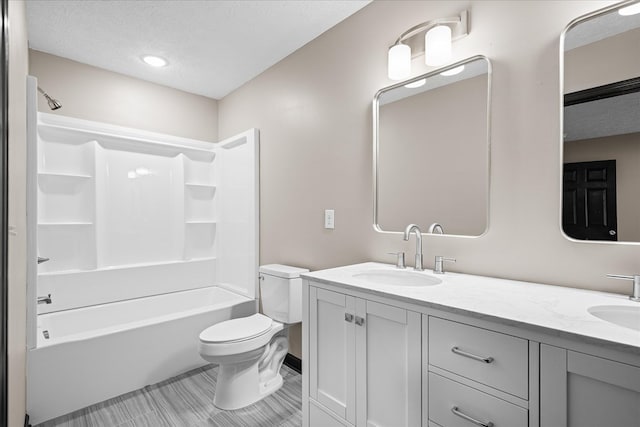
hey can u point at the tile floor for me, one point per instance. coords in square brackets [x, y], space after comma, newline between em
[186, 401]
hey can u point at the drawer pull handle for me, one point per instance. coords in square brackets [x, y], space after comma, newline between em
[457, 412]
[456, 350]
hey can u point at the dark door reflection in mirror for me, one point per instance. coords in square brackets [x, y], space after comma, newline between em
[601, 133]
[432, 149]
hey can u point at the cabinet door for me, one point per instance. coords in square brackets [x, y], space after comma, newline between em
[388, 359]
[332, 351]
[579, 390]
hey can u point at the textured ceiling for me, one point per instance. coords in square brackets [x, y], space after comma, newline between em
[213, 47]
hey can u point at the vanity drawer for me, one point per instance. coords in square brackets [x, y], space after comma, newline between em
[460, 348]
[445, 395]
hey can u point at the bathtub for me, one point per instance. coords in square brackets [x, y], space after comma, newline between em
[87, 355]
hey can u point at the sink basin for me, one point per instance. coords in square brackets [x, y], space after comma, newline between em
[398, 278]
[627, 317]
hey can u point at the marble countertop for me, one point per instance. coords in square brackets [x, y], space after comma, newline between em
[555, 310]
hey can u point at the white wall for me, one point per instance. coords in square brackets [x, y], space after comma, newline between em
[313, 110]
[17, 210]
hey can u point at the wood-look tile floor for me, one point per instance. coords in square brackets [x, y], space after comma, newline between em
[187, 401]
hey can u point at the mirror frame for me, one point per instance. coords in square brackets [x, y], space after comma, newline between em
[581, 19]
[376, 142]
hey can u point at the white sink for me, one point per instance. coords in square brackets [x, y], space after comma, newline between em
[398, 278]
[627, 317]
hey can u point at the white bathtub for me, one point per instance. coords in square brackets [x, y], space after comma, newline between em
[95, 353]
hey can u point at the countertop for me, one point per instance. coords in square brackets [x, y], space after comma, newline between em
[554, 310]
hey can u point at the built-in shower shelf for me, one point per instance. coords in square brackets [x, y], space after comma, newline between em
[52, 224]
[126, 267]
[49, 175]
[197, 259]
[199, 185]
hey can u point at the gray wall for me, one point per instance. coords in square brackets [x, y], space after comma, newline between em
[313, 110]
[92, 93]
[591, 65]
[433, 146]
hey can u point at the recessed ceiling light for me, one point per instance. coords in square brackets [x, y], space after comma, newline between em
[630, 10]
[453, 71]
[154, 61]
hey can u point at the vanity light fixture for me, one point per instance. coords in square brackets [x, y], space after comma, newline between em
[433, 38]
[154, 61]
[630, 10]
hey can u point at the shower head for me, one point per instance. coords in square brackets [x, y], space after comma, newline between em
[54, 104]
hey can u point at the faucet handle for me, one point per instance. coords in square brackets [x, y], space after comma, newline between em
[635, 294]
[400, 263]
[438, 266]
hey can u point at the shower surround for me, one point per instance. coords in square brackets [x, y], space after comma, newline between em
[127, 215]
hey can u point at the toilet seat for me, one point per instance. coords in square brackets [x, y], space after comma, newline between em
[235, 330]
[238, 341]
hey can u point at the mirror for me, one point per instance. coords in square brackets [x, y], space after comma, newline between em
[431, 151]
[601, 126]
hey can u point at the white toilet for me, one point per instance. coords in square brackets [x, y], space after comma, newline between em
[250, 350]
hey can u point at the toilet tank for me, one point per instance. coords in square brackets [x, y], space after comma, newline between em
[281, 292]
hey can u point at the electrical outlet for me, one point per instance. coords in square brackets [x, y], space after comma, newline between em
[329, 219]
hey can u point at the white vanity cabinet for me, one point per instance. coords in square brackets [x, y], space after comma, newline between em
[461, 355]
[581, 390]
[364, 362]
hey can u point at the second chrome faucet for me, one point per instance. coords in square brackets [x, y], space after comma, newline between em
[413, 228]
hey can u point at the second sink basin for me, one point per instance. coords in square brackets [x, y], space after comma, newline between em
[627, 317]
[398, 278]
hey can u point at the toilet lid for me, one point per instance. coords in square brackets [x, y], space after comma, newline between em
[240, 329]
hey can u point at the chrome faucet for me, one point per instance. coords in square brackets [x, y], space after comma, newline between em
[44, 300]
[413, 228]
[436, 227]
[635, 293]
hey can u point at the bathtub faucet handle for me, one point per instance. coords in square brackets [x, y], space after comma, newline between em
[44, 300]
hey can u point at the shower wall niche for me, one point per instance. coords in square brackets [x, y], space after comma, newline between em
[123, 213]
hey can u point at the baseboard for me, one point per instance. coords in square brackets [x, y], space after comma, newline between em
[293, 362]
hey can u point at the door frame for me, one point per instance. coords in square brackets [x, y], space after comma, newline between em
[4, 212]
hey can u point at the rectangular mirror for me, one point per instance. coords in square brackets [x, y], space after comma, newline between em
[601, 126]
[431, 151]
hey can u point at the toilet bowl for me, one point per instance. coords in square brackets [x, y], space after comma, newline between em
[250, 350]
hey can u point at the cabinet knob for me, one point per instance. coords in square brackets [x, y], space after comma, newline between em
[359, 321]
[348, 317]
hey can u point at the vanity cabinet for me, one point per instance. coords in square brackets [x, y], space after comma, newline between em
[364, 362]
[377, 356]
[581, 390]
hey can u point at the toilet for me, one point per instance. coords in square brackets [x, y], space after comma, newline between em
[250, 350]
